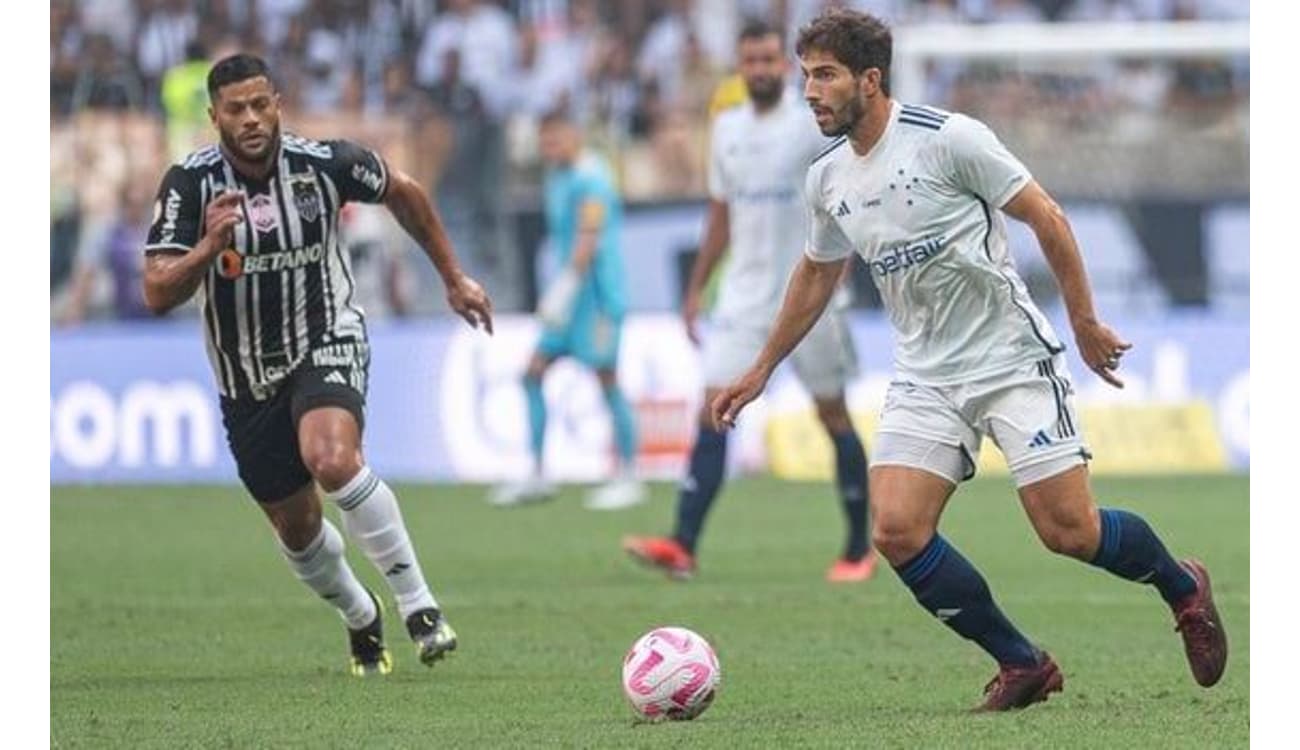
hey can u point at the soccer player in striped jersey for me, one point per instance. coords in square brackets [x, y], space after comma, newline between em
[919, 193]
[253, 222]
[760, 154]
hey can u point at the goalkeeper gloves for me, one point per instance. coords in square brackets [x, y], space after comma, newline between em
[556, 305]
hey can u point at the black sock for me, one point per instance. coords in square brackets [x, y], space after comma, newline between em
[1130, 549]
[708, 465]
[851, 476]
[950, 588]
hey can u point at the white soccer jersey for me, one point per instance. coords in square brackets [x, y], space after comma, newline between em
[757, 167]
[922, 209]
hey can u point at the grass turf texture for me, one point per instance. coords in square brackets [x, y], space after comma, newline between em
[175, 623]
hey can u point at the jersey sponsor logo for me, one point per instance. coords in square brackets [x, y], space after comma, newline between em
[262, 212]
[306, 199]
[232, 264]
[364, 175]
[905, 256]
[766, 195]
[171, 212]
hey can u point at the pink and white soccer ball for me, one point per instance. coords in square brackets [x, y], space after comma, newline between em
[670, 673]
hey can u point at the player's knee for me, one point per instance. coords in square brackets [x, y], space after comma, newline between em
[898, 540]
[1075, 538]
[332, 465]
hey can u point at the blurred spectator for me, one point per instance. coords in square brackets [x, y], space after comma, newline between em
[185, 101]
[273, 19]
[109, 268]
[328, 81]
[114, 18]
[444, 81]
[467, 58]
[104, 79]
[483, 36]
[377, 247]
[166, 31]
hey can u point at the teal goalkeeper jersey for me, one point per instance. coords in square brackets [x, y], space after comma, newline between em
[604, 288]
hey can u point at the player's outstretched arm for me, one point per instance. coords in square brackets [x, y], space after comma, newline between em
[411, 207]
[716, 232]
[811, 286]
[171, 278]
[1099, 346]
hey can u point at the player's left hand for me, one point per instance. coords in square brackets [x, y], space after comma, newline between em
[468, 299]
[1101, 349]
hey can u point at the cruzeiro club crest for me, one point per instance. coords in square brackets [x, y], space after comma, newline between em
[306, 199]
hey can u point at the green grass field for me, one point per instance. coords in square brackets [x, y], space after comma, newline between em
[175, 623]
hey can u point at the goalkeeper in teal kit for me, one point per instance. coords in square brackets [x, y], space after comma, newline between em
[581, 310]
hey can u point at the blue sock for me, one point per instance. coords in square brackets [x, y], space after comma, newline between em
[624, 425]
[708, 464]
[1130, 549]
[851, 476]
[536, 418]
[950, 588]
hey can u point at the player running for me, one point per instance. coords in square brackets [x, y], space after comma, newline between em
[760, 154]
[582, 310]
[254, 222]
[915, 192]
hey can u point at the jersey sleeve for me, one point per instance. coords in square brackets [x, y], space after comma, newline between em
[718, 188]
[177, 213]
[981, 163]
[359, 173]
[826, 241]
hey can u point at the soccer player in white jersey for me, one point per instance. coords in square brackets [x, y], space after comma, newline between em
[919, 193]
[760, 154]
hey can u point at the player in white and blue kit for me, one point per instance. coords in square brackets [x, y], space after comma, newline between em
[760, 154]
[919, 193]
[582, 310]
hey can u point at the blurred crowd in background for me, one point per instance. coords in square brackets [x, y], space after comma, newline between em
[451, 91]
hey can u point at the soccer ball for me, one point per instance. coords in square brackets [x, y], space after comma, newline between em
[670, 673]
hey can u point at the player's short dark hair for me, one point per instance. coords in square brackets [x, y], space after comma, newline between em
[235, 68]
[559, 114]
[857, 40]
[758, 28]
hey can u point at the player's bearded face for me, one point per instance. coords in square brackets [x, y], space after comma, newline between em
[763, 66]
[833, 93]
[247, 115]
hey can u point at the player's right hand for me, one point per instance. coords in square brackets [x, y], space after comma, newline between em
[690, 313]
[726, 407]
[221, 216]
[470, 301]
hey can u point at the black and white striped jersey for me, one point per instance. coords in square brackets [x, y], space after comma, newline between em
[285, 287]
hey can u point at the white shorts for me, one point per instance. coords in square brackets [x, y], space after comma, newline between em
[1028, 412]
[824, 361]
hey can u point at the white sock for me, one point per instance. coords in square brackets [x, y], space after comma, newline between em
[323, 568]
[373, 520]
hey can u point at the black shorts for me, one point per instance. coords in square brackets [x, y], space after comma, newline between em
[263, 435]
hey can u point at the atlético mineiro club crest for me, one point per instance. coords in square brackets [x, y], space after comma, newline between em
[262, 212]
[306, 199]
